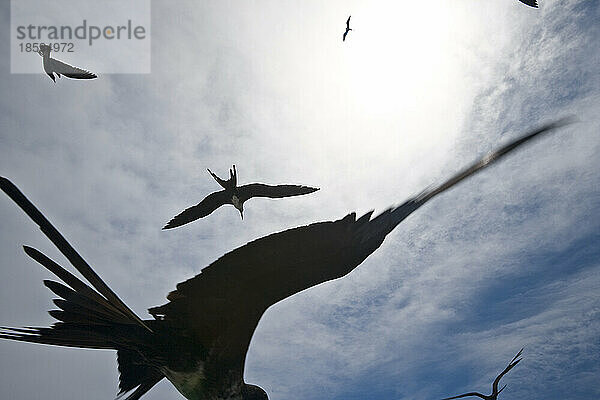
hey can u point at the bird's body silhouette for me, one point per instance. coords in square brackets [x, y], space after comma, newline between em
[236, 196]
[53, 66]
[347, 28]
[198, 340]
[530, 3]
[495, 391]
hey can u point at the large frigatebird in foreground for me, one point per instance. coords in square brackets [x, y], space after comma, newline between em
[53, 66]
[198, 340]
[235, 195]
[495, 391]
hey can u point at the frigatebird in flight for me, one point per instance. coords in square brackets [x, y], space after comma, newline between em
[53, 66]
[495, 391]
[198, 340]
[347, 29]
[232, 194]
[530, 3]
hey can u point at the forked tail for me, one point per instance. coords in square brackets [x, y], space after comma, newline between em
[90, 317]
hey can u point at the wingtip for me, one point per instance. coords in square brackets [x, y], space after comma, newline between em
[567, 120]
[29, 250]
[48, 283]
[4, 181]
[518, 355]
[530, 3]
[7, 186]
[170, 225]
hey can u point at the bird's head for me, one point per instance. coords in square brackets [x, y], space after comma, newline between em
[253, 392]
[44, 50]
[240, 207]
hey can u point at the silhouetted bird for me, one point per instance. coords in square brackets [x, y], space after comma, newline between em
[495, 391]
[347, 29]
[530, 3]
[198, 340]
[232, 194]
[53, 66]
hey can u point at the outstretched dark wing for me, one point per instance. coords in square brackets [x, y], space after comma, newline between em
[69, 71]
[202, 209]
[466, 395]
[344, 37]
[223, 304]
[531, 3]
[348, 22]
[273, 191]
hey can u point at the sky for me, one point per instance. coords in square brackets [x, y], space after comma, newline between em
[508, 259]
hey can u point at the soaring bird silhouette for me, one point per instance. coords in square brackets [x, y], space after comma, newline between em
[530, 3]
[347, 29]
[198, 340]
[53, 66]
[495, 391]
[232, 194]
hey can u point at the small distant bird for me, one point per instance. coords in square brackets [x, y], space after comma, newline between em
[530, 3]
[53, 66]
[347, 29]
[232, 194]
[495, 391]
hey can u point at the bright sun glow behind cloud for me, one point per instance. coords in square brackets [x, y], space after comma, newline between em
[401, 72]
[391, 53]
